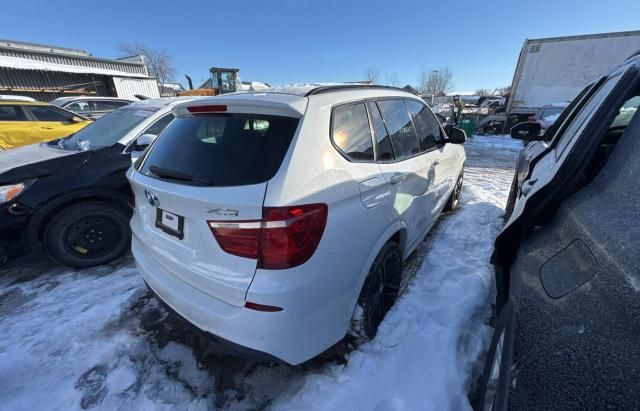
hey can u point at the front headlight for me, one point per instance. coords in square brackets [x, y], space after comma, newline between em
[11, 191]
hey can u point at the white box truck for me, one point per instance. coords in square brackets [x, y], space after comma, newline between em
[553, 71]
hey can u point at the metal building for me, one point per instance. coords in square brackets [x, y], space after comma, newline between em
[48, 72]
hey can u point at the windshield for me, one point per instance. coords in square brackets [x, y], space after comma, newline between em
[107, 130]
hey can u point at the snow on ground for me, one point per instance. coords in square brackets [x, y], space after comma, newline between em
[97, 339]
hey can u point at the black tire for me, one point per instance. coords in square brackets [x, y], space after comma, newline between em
[379, 292]
[88, 234]
[454, 198]
[511, 202]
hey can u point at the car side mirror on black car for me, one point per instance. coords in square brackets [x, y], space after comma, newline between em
[527, 131]
[456, 135]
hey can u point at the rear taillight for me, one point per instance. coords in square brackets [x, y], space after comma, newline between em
[238, 238]
[532, 119]
[285, 237]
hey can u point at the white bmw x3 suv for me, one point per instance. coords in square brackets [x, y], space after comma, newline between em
[266, 218]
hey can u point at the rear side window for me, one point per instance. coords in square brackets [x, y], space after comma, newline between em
[385, 152]
[78, 107]
[106, 105]
[43, 113]
[400, 127]
[351, 133]
[427, 126]
[12, 113]
[221, 150]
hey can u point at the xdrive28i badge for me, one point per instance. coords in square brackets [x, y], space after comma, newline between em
[152, 199]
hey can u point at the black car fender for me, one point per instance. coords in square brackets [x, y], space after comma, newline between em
[39, 219]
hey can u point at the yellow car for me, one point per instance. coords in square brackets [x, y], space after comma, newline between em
[28, 122]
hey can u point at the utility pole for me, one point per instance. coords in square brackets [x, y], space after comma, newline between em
[433, 94]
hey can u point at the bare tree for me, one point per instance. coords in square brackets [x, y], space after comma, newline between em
[372, 73]
[392, 80]
[159, 62]
[501, 91]
[435, 82]
[484, 92]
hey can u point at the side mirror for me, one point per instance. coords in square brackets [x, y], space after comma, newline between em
[526, 131]
[145, 141]
[76, 119]
[456, 135]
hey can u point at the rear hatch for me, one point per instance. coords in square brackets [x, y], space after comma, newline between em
[210, 165]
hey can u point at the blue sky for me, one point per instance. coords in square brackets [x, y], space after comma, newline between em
[313, 40]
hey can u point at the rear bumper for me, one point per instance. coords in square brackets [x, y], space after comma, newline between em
[316, 299]
[221, 344]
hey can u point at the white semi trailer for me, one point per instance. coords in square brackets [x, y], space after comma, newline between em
[554, 70]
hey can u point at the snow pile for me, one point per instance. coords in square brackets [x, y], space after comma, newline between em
[433, 338]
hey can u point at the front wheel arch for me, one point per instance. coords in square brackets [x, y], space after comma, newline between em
[395, 232]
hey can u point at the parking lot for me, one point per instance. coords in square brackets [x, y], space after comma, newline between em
[98, 339]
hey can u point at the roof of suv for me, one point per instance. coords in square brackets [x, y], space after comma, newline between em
[162, 102]
[295, 97]
[22, 103]
[309, 89]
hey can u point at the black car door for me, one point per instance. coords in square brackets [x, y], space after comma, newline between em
[567, 281]
[555, 174]
[574, 287]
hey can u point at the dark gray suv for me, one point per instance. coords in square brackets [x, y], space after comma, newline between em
[567, 261]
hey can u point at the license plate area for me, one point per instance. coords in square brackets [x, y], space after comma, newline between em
[170, 223]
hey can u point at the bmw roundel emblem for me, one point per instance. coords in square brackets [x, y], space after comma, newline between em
[152, 199]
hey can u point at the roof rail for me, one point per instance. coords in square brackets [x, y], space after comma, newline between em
[636, 54]
[340, 87]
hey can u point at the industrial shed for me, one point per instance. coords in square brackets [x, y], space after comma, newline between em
[48, 72]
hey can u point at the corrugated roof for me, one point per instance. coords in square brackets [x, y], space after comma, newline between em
[28, 64]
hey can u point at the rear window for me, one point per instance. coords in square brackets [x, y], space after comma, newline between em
[221, 150]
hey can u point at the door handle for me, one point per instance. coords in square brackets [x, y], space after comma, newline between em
[527, 186]
[397, 178]
[46, 127]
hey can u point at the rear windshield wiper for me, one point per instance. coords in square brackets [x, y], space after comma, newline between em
[177, 175]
